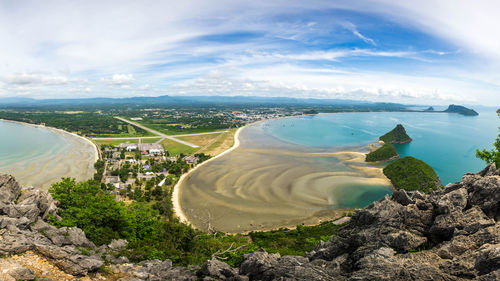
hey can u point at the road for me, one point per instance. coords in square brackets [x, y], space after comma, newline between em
[200, 134]
[163, 136]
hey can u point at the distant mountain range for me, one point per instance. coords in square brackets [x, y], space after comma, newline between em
[173, 100]
[215, 101]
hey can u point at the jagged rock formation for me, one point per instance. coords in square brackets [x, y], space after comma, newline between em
[450, 234]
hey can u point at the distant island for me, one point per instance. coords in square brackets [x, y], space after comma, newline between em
[430, 108]
[411, 174]
[461, 110]
[396, 135]
[387, 151]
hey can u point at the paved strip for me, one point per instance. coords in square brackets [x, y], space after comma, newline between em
[200, 134]
[156, 132]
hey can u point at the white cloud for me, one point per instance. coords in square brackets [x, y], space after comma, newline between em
[35, 78]
[75, 43]
[120, 79]
[351, 27]
[291, 81]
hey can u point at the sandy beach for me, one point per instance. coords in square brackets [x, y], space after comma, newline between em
[177, 190]
[72, 156]
[260, 187]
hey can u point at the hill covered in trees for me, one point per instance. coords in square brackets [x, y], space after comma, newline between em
[387, 151]
[396, 135]
[461, 110]
[411, 174]
[384, 153]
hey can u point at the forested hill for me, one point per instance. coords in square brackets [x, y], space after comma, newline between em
[461, 110]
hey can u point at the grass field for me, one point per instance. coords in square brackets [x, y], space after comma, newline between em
[223, 142]
[175, 148]
[175, 130]
[200, 140]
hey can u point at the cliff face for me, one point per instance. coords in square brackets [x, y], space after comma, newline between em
[450, 234]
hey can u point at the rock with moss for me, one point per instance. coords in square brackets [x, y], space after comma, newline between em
[411, 174]
[396, 135]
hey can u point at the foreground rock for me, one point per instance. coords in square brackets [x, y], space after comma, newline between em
[449, 234]
[23, 228]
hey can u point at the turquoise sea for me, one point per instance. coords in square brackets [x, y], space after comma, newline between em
[446, 141]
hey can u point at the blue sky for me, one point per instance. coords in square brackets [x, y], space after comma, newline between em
[426, 52]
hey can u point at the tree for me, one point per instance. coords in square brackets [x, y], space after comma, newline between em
[493, 155]
[92, 209]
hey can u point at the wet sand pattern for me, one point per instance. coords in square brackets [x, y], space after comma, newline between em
[266, 184]
[70, 156]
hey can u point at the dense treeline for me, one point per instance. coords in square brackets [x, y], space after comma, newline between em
[152, 236]
[87, 124]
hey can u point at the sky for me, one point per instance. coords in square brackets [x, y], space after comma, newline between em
[418, 52]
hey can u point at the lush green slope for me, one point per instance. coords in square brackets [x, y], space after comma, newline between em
[461, 110]
[410, 174]
[397, 135]
[384, 153]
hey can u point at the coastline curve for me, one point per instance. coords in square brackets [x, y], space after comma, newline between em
[176, 192]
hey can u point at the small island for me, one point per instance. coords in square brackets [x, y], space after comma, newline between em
[430, 108]
[387, 151]
[411, 174]
[397, 135]
[461, 110]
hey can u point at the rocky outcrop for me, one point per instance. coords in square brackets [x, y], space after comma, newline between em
[450, 234]
[23, 227]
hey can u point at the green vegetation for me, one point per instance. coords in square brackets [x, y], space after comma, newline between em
[175, 148]
[152, 236]
[493, 155]
[86, 124]
[384, 153]
[411, 174]
[186, 123]
[461, 110]
[397, 135]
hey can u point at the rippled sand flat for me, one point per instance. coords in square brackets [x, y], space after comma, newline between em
[265, 184]
[69, 156]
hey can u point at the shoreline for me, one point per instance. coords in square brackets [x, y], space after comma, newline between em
[96, 149]
[176, 192]
[63, 133]
[178, 211]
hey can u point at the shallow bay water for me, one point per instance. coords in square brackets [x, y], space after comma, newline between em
[39, 156]
[303, 170]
